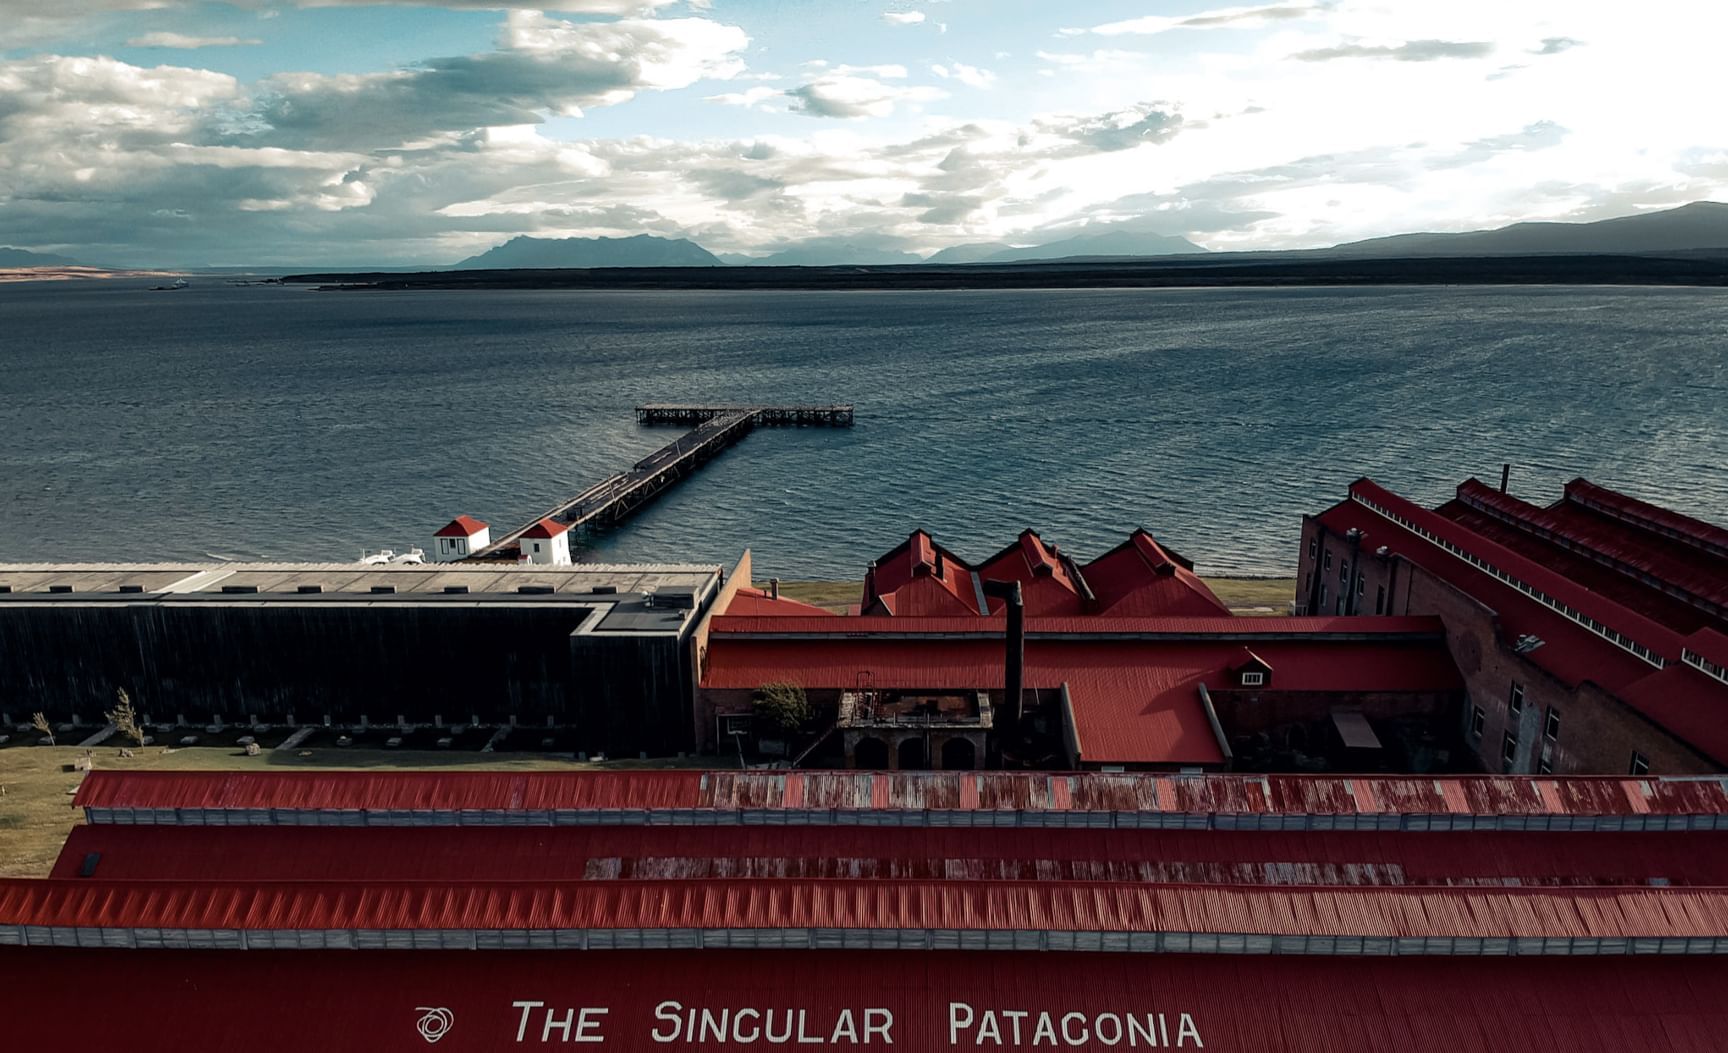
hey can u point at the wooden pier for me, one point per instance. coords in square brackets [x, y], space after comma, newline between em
[715, 429]
[765, 416]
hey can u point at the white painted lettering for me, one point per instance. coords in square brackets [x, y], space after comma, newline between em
[1163, 1030]
[713, 1025]
[804, 1037]
[1186, 1029]
[989, 1029]
[522, 1026]
[845, 1026]
[1111, 1020]
[668, 1012]
[1067, 1035]
[1015, 1016]
[553, 1023]
[1044, 1031]
[738, 1026]
[1148, 1031]
[955, 1023]
[584, 1025]
[784, 1036]
[883, 1029]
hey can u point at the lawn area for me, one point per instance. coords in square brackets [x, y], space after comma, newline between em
[1243, 595]
[36, 811]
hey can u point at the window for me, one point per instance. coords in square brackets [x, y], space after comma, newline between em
[1380, 600]
[1322, 594]
[1640, 764]
[1253, 678]
[1338, 605]
[1543, 767]
[1551, 727]
[1361, 583]
[1313, 546]
[1327, 563]
[1508, 750]
[1307, 582]
[1477, 720]
[1515, 704]
[1343, 577]
[536, 546]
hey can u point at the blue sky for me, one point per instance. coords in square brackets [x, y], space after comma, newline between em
[343, 132]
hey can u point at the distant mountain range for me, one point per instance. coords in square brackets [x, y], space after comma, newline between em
[643, 250]
[1689, 228]
[1701, 226]
[22, 258]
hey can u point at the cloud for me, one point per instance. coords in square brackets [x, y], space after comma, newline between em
[903, 18]
[1125, 129]
[849, 93]
[1555, 45]
[1410, 51]
[1225, 17]
[546, 65]
[749, 97]
[971, 76]
[184, 42]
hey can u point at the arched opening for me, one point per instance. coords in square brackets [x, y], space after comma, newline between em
[870, 755]
[958, 754]
[912, 755]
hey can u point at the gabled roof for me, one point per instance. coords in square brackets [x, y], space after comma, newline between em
[546, 528]
[1142, 578]
[1050, 583]
[462, 526]
[920, 577]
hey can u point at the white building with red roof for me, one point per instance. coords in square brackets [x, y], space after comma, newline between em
[547, 542]
[461, 538]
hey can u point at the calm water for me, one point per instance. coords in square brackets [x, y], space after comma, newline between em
[276, 423]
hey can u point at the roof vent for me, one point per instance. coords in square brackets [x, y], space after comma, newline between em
[309, 590]
[131, 588]
[5, 589]
[88, 867]
[604, 590]
[456, 589]
[383, 590]
[59, 588]
[243, 589]
[535, 590]
[1383, 551]
[1527, 643]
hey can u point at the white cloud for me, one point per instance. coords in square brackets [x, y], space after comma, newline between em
[1219, 18]
[971, 76]
[749, 97]
[903, 18]
[847, 94]
[184, 42]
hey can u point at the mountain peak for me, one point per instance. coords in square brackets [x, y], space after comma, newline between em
[526, 252]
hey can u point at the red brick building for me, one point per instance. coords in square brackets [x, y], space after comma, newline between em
[1592, 633]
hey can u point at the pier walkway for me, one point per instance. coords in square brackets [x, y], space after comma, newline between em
[715, 429]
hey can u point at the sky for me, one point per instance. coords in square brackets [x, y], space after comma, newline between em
[351, 132]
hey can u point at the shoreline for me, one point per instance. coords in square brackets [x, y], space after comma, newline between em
[1257, 595]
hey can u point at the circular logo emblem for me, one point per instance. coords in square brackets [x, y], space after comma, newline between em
[435, 1023]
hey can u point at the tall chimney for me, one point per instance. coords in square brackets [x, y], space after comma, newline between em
[1505, 476]
[773, 588]
[1014, 671]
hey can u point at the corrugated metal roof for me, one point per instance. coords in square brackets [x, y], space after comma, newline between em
[810, 791]
[1138, 578]
[1048, 907]
[341, 1000]
[193, 853]
[1225, 626]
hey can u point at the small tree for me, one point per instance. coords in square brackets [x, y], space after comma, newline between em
[124, 718]
[40, 723]
[783, 705]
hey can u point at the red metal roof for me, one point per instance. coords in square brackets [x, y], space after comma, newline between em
[1710, 645]
[342, 1000]
[748, 602]
[461, 526]
[920, 577]
[1605, 912]
[546, 528]
[1224, 626]
[1139, 578]
[726, 793]
[1697, 534]
[1230, 857]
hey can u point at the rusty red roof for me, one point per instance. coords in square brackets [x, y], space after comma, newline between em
[461, 526]
[1173, 628]
[546, 528]
[1140, 578]
[920, 577]
[816, 797]
[710, 853]
[1700, 536]
[1452, 913]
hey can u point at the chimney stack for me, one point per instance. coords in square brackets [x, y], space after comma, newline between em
[1505, 476]
[773, 588]
[1014, 673]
